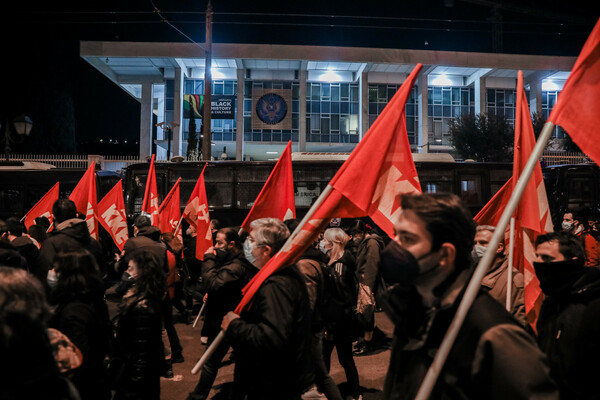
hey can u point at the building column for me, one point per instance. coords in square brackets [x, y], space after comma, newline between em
[146, 120]
[177, 124]
[535, 97]
[302, 111]
[423, 113]
[480, 95]
[239, 118]
[363, 115]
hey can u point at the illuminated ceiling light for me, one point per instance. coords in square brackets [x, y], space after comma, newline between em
[216, 73]
[330, 76]
[550, 85]
[441, 80]
[272, 152]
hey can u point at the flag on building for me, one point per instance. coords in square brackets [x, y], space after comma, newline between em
[43, 208]
[84, 197]
[276, 198]
[577, 108]
[169, 213]
[196, 213]
[150, 203]
[111, 210]
[368, 184]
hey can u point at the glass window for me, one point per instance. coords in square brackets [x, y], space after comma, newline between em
[316, 92]
[335, 92]
[470, 189]
[324, 125]
[345, 89]
[325, 91]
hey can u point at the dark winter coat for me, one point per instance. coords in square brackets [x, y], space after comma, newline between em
[569, 333]
[224, 286]
[11, 257]
[139, 337]
[85, 322]
[147, 240]
[368, 260]
[70, 235]
[272, 339]
[342, 293]
[493, 356]
[27, 248]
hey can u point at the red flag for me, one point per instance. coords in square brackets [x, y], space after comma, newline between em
[84, 197]
[43, 208]
[150, 204]
[379, 169]
[276, 198]
[196, 213]
[577, 108]
[170, 210]
[532, 216]
[113, 218]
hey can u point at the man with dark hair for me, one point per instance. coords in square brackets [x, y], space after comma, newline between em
[225, 271]
[573, 222]
[9, 254]
[569, 322]
[428, 265]
[271, 338]
[15, 234]
[70, 234]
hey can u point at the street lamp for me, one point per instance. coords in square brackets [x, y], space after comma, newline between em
[22, 127]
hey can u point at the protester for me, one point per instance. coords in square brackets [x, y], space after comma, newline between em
[16, 234]
[70, 234]
[368, 259]
[496, 279]
[340, 320]
[573, 222]
[192, 279]
[139, 329]
[28, 369]
[81, 314]
[225, 271]
[569, 322]
[271, 338]
[174, 280]
[428, 265]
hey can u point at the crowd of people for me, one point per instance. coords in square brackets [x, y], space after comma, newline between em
[59, 341]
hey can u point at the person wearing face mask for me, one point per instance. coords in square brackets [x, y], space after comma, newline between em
[272, 337]
[496, 279]
[225, 271]
[573, 223]
[569, 321]
[428, 266]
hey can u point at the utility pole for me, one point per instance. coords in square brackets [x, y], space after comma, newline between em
[206, 149]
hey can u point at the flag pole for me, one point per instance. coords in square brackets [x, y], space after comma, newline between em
[484, 264]
[510, 264]
[324, 195]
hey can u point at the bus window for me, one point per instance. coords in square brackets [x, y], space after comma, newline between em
[219, 194]
[470, 190]
[436, 187]
[247, 192]
[580, 192]
[139, 189]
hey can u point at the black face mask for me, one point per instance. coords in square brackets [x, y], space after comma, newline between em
[221, 256]
[558, 276]
[398, 265]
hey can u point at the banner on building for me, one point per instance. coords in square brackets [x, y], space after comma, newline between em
[222, 106]
[271, 109]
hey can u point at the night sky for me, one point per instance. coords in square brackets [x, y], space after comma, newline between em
[73, 106]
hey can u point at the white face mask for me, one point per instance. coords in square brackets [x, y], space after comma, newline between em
[248, 247]
[478, 252]
[322, 247]
[52, 279]
[566, 226]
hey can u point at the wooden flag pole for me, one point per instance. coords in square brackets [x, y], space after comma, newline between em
[510, 264]
[309, 214]
[199, 314]
[474, 285]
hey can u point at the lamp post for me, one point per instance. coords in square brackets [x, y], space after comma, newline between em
[22, 127]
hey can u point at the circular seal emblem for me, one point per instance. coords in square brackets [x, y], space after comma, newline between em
[271, 108]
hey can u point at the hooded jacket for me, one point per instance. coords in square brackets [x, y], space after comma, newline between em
[368, 260]
[569, 333]
[70, 235]
[148, 240]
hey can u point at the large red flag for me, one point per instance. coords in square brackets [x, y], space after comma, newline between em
[43, 208]
[532, 216]
[577, 108]
[276, 199]
[196, 213]
[368, 184]
[150, 204]
[170, 210]
[84, 197]
[113, 218]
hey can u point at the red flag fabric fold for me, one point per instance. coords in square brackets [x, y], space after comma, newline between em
[368, 184]
[276, 198]
[150, 204]
[43, 208]
[111, 210]
[84, 197]
[169, 213]
[577, 108]
[196, 213]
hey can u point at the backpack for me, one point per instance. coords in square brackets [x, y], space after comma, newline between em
[336, 302]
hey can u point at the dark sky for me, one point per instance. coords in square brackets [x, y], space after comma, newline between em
[47, 78]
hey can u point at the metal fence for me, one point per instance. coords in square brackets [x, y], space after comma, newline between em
[564, 157]
[107, 163]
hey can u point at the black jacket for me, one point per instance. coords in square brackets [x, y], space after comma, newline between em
[11, 257]
[224, 286]
[27, 248]
[139, 339]
[569, 333]
[342, 287]
[368, 260]
[272, 339]
[74, 236]
[147, 240]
